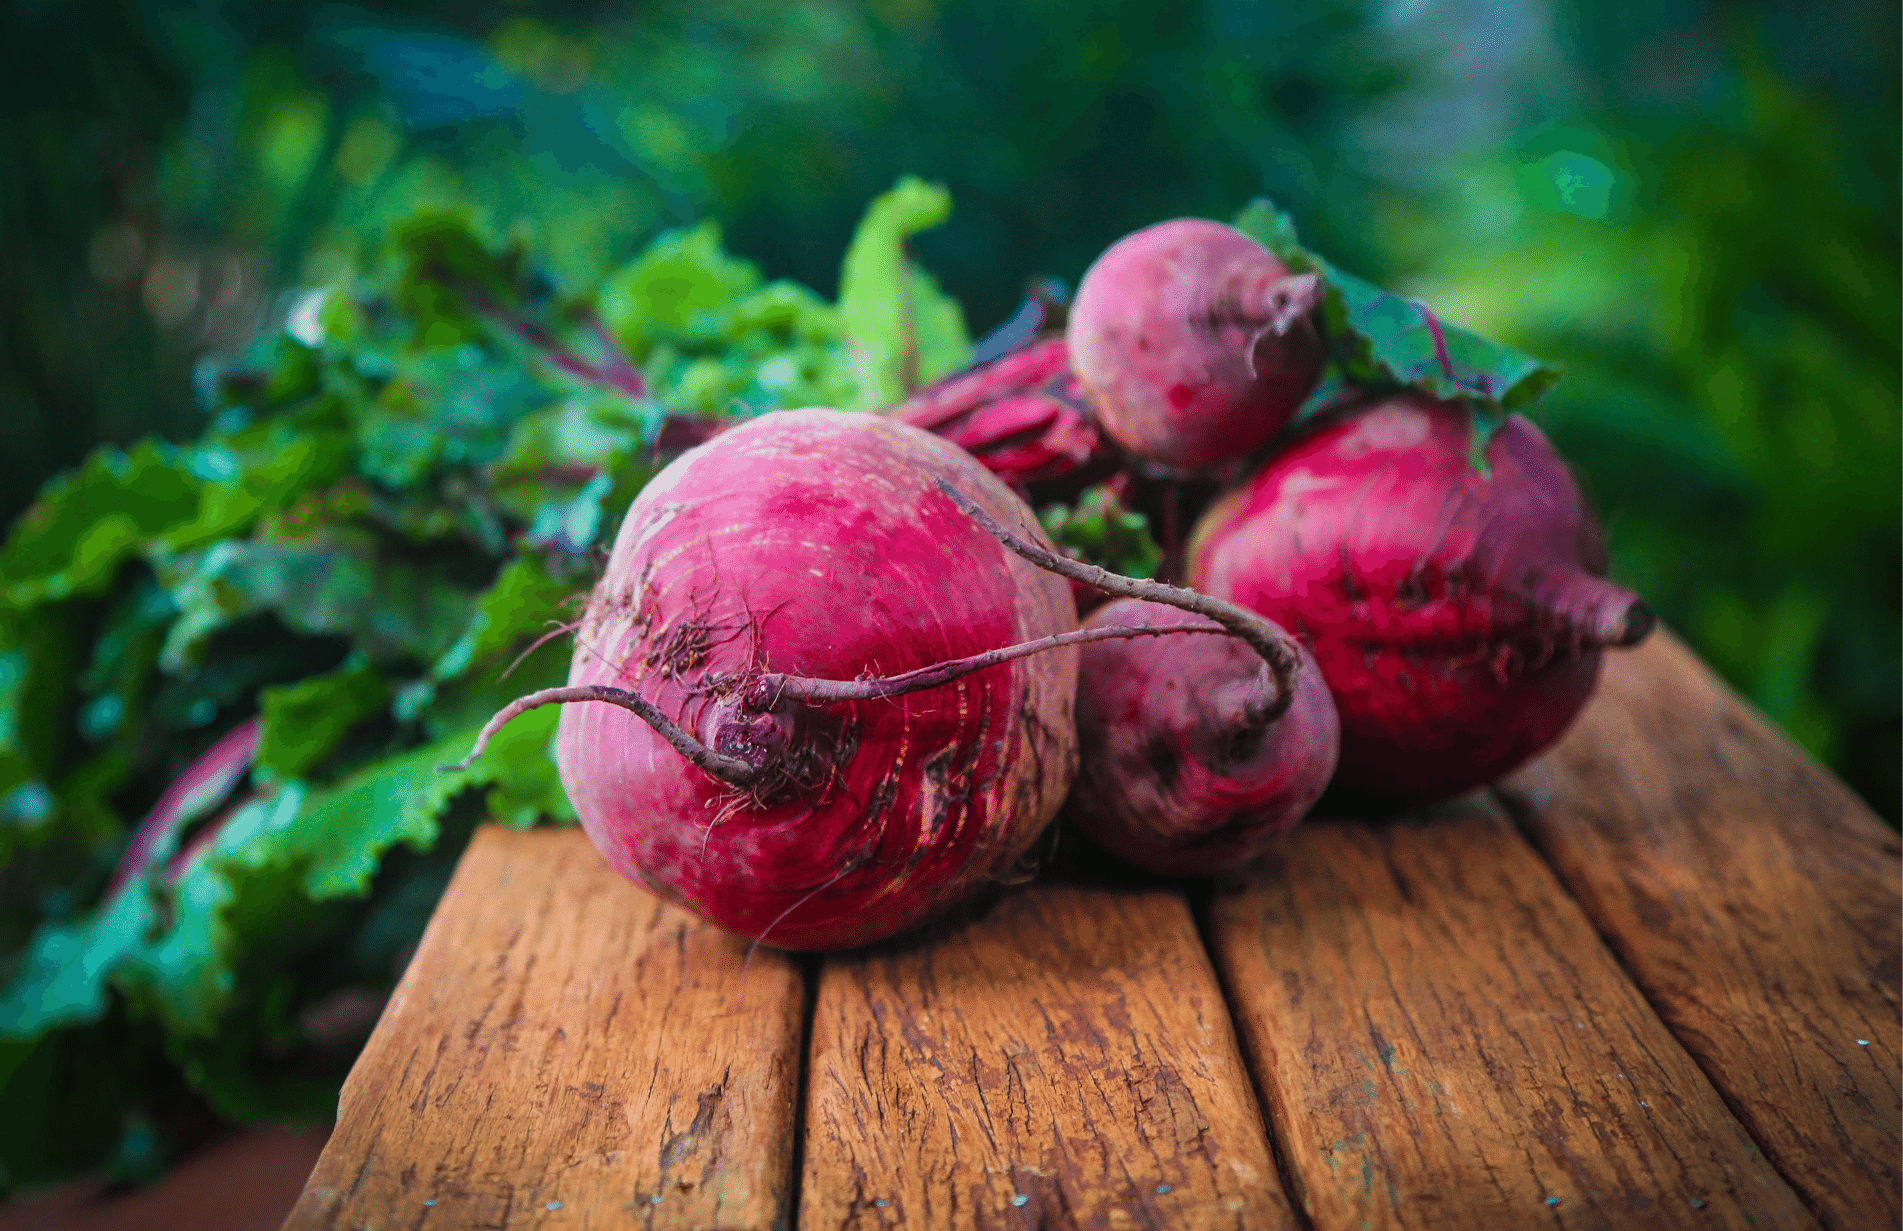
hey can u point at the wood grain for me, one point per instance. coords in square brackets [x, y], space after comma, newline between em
[1443, 1041]
[1065, 1061]
[565, 1050]
[1755, 901]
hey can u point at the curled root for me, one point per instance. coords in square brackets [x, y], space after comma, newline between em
[1281, 657]
[731, 770]
[769, 689]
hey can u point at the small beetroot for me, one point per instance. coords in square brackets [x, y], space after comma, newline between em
[1195, 343]
[1195, 757]
[1458, 616]
[1182, 766]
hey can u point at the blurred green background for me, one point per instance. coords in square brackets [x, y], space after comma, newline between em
[1693, 205]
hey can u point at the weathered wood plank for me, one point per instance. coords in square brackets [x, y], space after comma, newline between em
[1065, 1061]
[1755, 901]
[1443, 1041]
[566, 1050]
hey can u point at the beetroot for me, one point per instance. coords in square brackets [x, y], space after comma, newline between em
[1457, 616]
[1182, 769]
[809, 546]
[1194, 342]
[1040, 365]
[1197, 750]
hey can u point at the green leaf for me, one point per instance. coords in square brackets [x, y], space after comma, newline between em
[450, 268]
[527, 786]
[87, 523]
[85, 793]
[1100, 530]
[902, 330]
[36, 664]
[789, 310]
[274, 862]
[252, 472]
[444, 408]
[559, 465]
[305, 721]
[332, 582]
[682, 280]
[64, 978]
[520, 607]
[1378, 338]
[187, 973]
[493, 663]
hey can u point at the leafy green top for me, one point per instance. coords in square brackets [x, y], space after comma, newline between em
[397, 499]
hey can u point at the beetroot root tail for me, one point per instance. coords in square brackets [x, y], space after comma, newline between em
[730, 770]
[1634, 624]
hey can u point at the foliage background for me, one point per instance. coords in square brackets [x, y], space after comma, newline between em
[1694, 206]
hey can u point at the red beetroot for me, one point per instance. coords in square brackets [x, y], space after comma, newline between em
[1457, 617]
[1037, 366]
[1194, 342]
[814, 544]
[1182, 769]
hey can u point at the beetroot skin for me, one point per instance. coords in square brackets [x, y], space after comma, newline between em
[1194, 342]
[814, 543]
[1458, 618]
[1179, 770]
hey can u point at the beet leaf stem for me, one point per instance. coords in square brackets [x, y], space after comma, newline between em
[1435, 332]
[618, 367]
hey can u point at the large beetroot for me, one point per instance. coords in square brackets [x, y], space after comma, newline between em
[1195, 343]
[1192, 756]
[806, 547]
[1458, 616]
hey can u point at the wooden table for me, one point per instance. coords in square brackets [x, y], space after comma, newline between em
[1650, 982]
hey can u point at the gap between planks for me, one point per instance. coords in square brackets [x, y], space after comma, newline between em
[1065, 1059]
[1750, 900]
